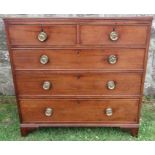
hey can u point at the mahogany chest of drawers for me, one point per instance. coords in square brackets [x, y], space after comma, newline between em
[78, 72]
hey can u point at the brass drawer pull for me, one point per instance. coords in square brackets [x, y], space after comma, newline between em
[109, 112]
[48, 112]
[112, 59]
[44, 59]
[46, 85]
[114, 36]
[42, 36]
[111, 85]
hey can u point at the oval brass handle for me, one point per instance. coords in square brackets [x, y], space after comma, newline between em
[44, 59]
[112, 59]
[109, 111]
[111, 85]
[46, 85]
[42, 36]
[48, 112]
[114, 36]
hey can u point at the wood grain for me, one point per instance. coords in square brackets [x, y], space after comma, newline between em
[30, 83]
[128, 59]
[79, 110]
[78, 49]
[28, 35]
[97, 35]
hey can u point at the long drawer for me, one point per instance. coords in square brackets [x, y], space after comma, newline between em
[126, 59]
[113, 111]
[66, 83]
[68, 34]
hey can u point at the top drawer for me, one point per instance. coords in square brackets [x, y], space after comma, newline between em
[61, 35]
[56, 34]
[113, 35]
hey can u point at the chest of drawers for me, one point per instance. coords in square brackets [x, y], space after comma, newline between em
[78, 72]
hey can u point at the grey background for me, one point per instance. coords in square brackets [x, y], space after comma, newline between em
[6, 84]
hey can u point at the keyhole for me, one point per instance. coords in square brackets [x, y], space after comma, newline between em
[78, 102]
[42, 30]
[78, 76]
[78, 52]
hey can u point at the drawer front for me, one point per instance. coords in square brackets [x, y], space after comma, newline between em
[56, 34]
[79, 59]
[113, 111]
[48, 83]
[127, 35]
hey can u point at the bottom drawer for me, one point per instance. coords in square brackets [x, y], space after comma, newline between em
[81, 110]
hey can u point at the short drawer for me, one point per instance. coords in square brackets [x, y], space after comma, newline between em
[79, 59]
[56, 34]
[60, 110]
[126, 35]
[62, 83]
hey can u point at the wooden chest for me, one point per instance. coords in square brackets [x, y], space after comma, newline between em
[78, 72]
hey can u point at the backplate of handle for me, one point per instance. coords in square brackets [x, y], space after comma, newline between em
[42, 36]
[46, 85]
[114, 36]
[112, 59]
[109, 112]
[111, 85]
[44, 59]
[48, 112]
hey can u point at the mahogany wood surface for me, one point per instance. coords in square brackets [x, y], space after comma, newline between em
[78, 50]
[124, 111]
[66, 34]
[28, 35]
[77, 84]
[97, 35]
[127, 59]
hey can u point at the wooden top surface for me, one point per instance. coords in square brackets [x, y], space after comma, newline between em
[143, 19]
